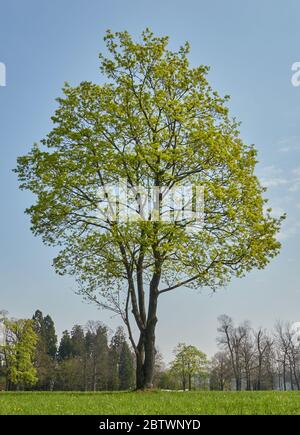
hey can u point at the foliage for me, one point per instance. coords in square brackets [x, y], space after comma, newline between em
[18, 350]
[126, 374]
[155, 122]
[221, 372]
[65, 346]
[121, 367]
[189, 362]
[46, 349]
[86, 361]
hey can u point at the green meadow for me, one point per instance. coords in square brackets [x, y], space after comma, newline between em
[155, 402]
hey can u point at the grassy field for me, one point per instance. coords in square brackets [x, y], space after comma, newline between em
[156, 402]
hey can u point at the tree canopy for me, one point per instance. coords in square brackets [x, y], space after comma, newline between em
[18, 350]
[189, 362]
[155, 123]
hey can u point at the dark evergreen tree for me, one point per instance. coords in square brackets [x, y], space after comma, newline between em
[45, 350]
[114, 358]
[50, 336]
[100, 358]
[78, 341]
[126, 368]
[83, 360]
[65, 347]
[96, 364]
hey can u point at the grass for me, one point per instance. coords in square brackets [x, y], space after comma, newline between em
[156, 402]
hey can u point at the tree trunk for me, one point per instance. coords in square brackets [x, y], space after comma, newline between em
[190, 382]
[94, 375]
[284, 375]
[139, 373]
[140, 357]
[145, 353]
[145, 360]
[259, 375]
[149, 358]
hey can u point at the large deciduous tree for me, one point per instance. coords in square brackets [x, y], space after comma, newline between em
[156, 122]
[18, 350]
[189, 362]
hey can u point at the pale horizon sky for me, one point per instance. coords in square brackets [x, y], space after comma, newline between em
[250, 47]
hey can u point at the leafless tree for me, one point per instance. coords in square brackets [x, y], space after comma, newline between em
[263, 357]
[221, 371]
[232, 338]
[288, 351]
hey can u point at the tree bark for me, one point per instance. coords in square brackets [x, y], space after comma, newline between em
[145, 349]
[145, 360]
[145, 352]
[284, 374]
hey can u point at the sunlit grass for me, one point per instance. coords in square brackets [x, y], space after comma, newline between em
[156, 402]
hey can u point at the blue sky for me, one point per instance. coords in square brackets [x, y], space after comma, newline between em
[250, 47]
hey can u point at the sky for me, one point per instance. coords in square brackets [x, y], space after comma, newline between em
[250, 47]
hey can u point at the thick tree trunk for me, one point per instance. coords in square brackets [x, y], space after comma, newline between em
[140, 357]
[145, 349]
[145, 354]
[139, 373]
[149, 357]
[145, 360]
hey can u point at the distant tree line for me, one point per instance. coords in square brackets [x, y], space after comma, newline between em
[93, 358]
[252, 359]
[248, 359]
[86, 358]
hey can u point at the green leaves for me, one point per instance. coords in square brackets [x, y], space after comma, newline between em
[189, 362]
[156, 122]
[19, 351]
